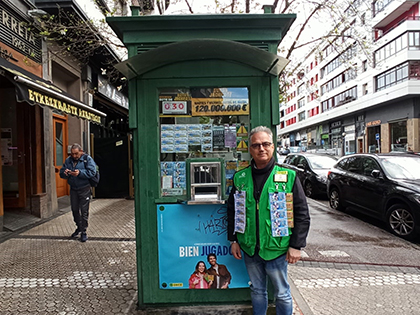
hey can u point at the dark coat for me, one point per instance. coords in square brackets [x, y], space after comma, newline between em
[224, 275]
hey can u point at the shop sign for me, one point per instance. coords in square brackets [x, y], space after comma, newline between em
[5, 54]
[17, 35]
[335, 124]
[350, 128]
[45, 100]
[174, 107]
[326, 136]
[111, 92]
[373, 123]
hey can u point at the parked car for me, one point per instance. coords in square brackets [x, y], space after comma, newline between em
[295, 149]
[385, 186]
[311, 169]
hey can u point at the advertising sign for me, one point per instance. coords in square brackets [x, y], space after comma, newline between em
[187, 234]
[220, 102]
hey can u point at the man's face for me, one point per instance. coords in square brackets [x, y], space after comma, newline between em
[76, 154]
[212, 260]
[261, 148]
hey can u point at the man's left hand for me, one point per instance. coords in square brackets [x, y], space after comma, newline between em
[293, 255]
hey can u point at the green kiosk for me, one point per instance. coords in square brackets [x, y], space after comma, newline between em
[197, 85]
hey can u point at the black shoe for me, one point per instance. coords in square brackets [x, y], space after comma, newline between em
[83, 237]
[75, 234]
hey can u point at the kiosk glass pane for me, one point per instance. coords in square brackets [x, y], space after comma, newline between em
[202, 123]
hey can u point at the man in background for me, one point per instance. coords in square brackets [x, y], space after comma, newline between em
[78, 168]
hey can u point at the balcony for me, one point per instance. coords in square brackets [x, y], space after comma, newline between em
[408, 18]
[390, 11]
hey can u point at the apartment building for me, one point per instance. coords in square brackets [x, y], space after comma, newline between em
[358, 99]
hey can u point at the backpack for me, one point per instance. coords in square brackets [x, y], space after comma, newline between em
[93, 181]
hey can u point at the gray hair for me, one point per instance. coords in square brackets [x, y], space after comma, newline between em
[261, 129]
[76, 146]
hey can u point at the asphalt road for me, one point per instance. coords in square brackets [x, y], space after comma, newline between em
[353, 238]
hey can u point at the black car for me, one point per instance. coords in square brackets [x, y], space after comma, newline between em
[311, 169]
[385, 186]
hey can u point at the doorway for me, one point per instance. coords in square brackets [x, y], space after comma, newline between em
[60, 152]
[13, 128]
[360, 145]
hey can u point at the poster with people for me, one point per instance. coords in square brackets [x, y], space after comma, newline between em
[194, 252]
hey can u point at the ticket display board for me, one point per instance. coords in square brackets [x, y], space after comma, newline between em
[202, 123]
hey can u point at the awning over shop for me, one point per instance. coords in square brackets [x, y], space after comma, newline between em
[36, 91]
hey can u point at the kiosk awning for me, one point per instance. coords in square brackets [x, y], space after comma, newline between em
[36, 91]
[199, 49]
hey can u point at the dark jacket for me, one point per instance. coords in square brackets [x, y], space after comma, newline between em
[87, 167]
[300, 210]
[224, 275]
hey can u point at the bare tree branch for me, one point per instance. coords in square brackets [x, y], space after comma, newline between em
[189, 7]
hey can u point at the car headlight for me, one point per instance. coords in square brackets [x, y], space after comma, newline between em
[322, 179]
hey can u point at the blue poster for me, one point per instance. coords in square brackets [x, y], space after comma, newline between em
[194, 252]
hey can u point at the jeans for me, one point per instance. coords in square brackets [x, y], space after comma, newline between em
[79, 200]
[258, 270]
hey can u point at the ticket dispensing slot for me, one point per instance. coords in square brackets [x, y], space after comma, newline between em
[206, 186]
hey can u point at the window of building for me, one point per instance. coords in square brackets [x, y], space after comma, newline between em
[301, 116]
[364, 89]
[398, 136]
[301, 103]
[364, 66]
[300, 89]
[398, 74]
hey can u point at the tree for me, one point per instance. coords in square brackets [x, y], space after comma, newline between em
[82, 40]
[319, 23]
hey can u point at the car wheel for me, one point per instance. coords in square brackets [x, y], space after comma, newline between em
[308, 189]
[401, 221]
[335, 199]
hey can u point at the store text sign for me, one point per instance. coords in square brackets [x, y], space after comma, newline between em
[217, 107]
[52, 102]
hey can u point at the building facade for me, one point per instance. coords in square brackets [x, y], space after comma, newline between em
[47, 103]
[349, 100]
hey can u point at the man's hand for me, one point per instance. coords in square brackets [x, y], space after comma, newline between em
[236, 251]
[74, 173]
[292, 256]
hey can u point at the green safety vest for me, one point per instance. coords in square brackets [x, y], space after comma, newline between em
[270, 247]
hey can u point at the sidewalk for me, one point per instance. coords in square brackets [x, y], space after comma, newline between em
[42, 271]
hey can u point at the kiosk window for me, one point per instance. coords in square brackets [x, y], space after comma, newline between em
[205, 124]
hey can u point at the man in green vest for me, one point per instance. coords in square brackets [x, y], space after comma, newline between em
[268, 219]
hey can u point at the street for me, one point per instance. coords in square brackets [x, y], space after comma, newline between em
[353, 238]
[354, 267]
[348, 267]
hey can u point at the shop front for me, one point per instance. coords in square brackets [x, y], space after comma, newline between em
[25, 136]
[373, 136]
[193, 103]
[336, 137]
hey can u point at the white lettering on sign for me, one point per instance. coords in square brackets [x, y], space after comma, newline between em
[174, 107]
[188, 251]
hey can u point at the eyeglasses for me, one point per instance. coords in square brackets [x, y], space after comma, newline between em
[265, 145]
